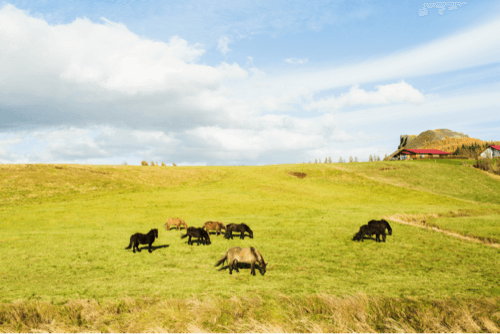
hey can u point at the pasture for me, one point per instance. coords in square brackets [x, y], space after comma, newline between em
[64, 229]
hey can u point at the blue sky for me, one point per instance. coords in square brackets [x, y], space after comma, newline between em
[240, 82]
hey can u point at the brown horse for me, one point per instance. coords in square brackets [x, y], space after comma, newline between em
[217, 226]
[197, 232]
[177, 222]
[242, 228]
[243, 255]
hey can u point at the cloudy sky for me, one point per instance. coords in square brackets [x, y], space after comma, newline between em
[241, 82]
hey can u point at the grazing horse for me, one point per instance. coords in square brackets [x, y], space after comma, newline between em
[177, 222]
[197, 232]
[143, 239]
[370, 230]
[242, 228]
[383, 224]
[243, 255]
[217, 226]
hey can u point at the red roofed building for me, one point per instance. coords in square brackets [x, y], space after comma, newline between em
[492, 152]
[420, 154]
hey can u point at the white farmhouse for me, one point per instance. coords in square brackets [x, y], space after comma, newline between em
[492, 152]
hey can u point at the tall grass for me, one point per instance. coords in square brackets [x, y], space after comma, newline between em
[306, 313]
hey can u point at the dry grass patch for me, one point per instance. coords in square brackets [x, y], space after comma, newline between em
[308, 313]
[432, 221]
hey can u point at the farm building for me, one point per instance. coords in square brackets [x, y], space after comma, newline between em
[492, 152]
[420, 154]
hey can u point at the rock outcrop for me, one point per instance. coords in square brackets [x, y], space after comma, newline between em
[426, 138]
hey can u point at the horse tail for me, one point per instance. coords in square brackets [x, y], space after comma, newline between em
[221, 260]
[130, 244]
[184, 236]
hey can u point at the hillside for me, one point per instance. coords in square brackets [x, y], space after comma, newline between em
[64, 266]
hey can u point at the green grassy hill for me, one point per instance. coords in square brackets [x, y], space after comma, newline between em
[63, 230]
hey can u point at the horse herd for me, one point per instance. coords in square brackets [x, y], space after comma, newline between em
[235, 255]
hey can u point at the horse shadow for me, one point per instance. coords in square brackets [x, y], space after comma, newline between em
[174, 228]
[153, 248]
[212, 232]
[240, 266]
[243, 236]
[198, 243]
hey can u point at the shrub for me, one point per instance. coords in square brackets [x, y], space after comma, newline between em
[144, 163]
[173, 164]
[163, 164]
[350, 159]
[486, 165]
[124, 163]
[370, 158]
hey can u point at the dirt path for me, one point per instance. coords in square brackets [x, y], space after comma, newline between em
[452, 234]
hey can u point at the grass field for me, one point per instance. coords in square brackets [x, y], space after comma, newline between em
[484, 226]
[63, 230]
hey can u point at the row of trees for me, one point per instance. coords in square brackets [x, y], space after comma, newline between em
[152, 163]
[375, 157]
[328, 160]
[471, 151]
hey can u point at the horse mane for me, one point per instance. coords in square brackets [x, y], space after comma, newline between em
[246, 227]
[254, 252]
[387, 225]
[205, 233]
[262, 259]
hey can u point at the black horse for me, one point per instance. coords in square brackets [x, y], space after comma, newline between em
[143, 239]
[383, 224]
[366, 230]
[242, 228]
[197, 232]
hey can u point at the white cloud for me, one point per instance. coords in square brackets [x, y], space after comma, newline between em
[385, 94]
[88, 73]
[295, 61]
[222, 44]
